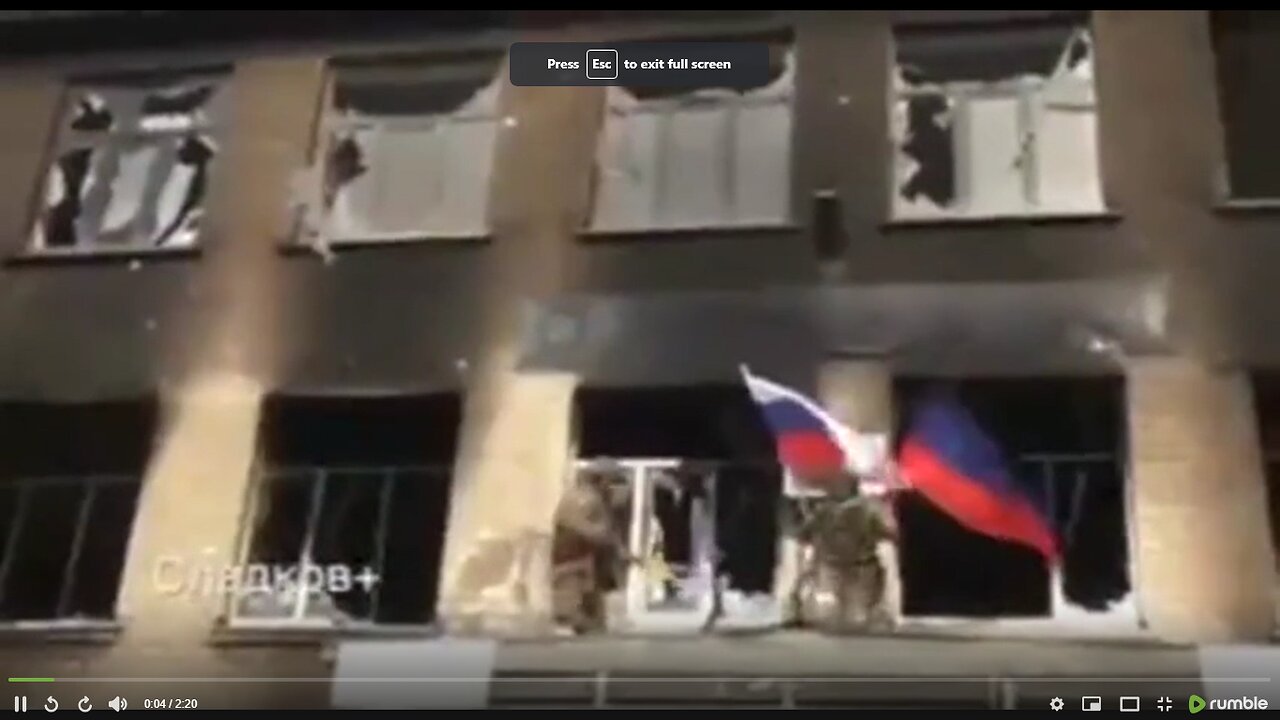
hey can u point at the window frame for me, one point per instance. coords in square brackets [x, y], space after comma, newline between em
[1030, 93]
[316, 225]
[128, 132]
[1228, 196]
[8, 544]
[316, 477]
[730, 104]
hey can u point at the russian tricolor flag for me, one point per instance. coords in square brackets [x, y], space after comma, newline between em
[948, 458]
[811, 443]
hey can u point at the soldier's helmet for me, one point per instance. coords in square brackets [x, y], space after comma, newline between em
[601, 473]
[838, 485]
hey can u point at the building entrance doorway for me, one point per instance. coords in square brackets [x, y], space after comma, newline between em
[696, 489]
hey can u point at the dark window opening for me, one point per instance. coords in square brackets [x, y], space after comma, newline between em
[1062, 436]
[69, 481]
[1266, 388]
[719, 430]
[986, 52]
[1247, 49]
[354, 483]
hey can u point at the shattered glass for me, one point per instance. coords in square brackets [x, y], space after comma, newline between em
[995, 122]
[703, 158]
[132, 170]
[409, 151]
[924, 124]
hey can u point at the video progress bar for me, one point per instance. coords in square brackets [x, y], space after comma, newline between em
[644, 679]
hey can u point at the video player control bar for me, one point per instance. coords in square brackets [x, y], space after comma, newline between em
[687, 64]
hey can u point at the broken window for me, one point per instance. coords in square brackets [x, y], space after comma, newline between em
[354, 488]
[708, 157]
[407, 152]
[132, 166]
[69, 482]
[1063, 437]
[698, 491]
[994, 122]
[1247, 49]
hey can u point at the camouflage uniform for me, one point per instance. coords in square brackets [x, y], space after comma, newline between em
[844, 531]
[587, 554]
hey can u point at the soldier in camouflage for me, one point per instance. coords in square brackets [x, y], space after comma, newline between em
[588, 552]
[841, 584]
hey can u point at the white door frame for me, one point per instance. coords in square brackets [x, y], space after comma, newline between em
[639, 474]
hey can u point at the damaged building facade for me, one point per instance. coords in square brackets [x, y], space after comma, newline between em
[335, 293]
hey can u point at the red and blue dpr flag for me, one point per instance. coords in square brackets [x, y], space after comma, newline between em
[952, 462]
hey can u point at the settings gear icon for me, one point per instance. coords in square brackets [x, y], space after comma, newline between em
[1057, 704]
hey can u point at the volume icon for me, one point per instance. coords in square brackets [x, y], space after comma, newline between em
[117, 703]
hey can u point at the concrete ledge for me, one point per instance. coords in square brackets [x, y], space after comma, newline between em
[230, 635]
[1105, 217]
[781, 230]
[810, 655]
[99, 256]
[72, 633]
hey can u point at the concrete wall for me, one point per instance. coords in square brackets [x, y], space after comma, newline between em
[1206, 566]
[401, 316]
[514, 456]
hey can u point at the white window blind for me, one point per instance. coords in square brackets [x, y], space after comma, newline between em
[710, 158]
[1022, 145]
[424, 175]
[1066, 139]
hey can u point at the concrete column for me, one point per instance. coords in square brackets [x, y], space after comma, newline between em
[513, 462]
[238, 316]
[190, 508]
[1205, 560]
[217, 366]
[858, 392]
[514, 451]
[31, 105]
[222, 362]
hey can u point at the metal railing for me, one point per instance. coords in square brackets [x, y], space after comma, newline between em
[304, 603]
[25, 488]
[1074, 471]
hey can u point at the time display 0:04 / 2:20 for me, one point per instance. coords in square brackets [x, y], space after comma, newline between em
[169, 703]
